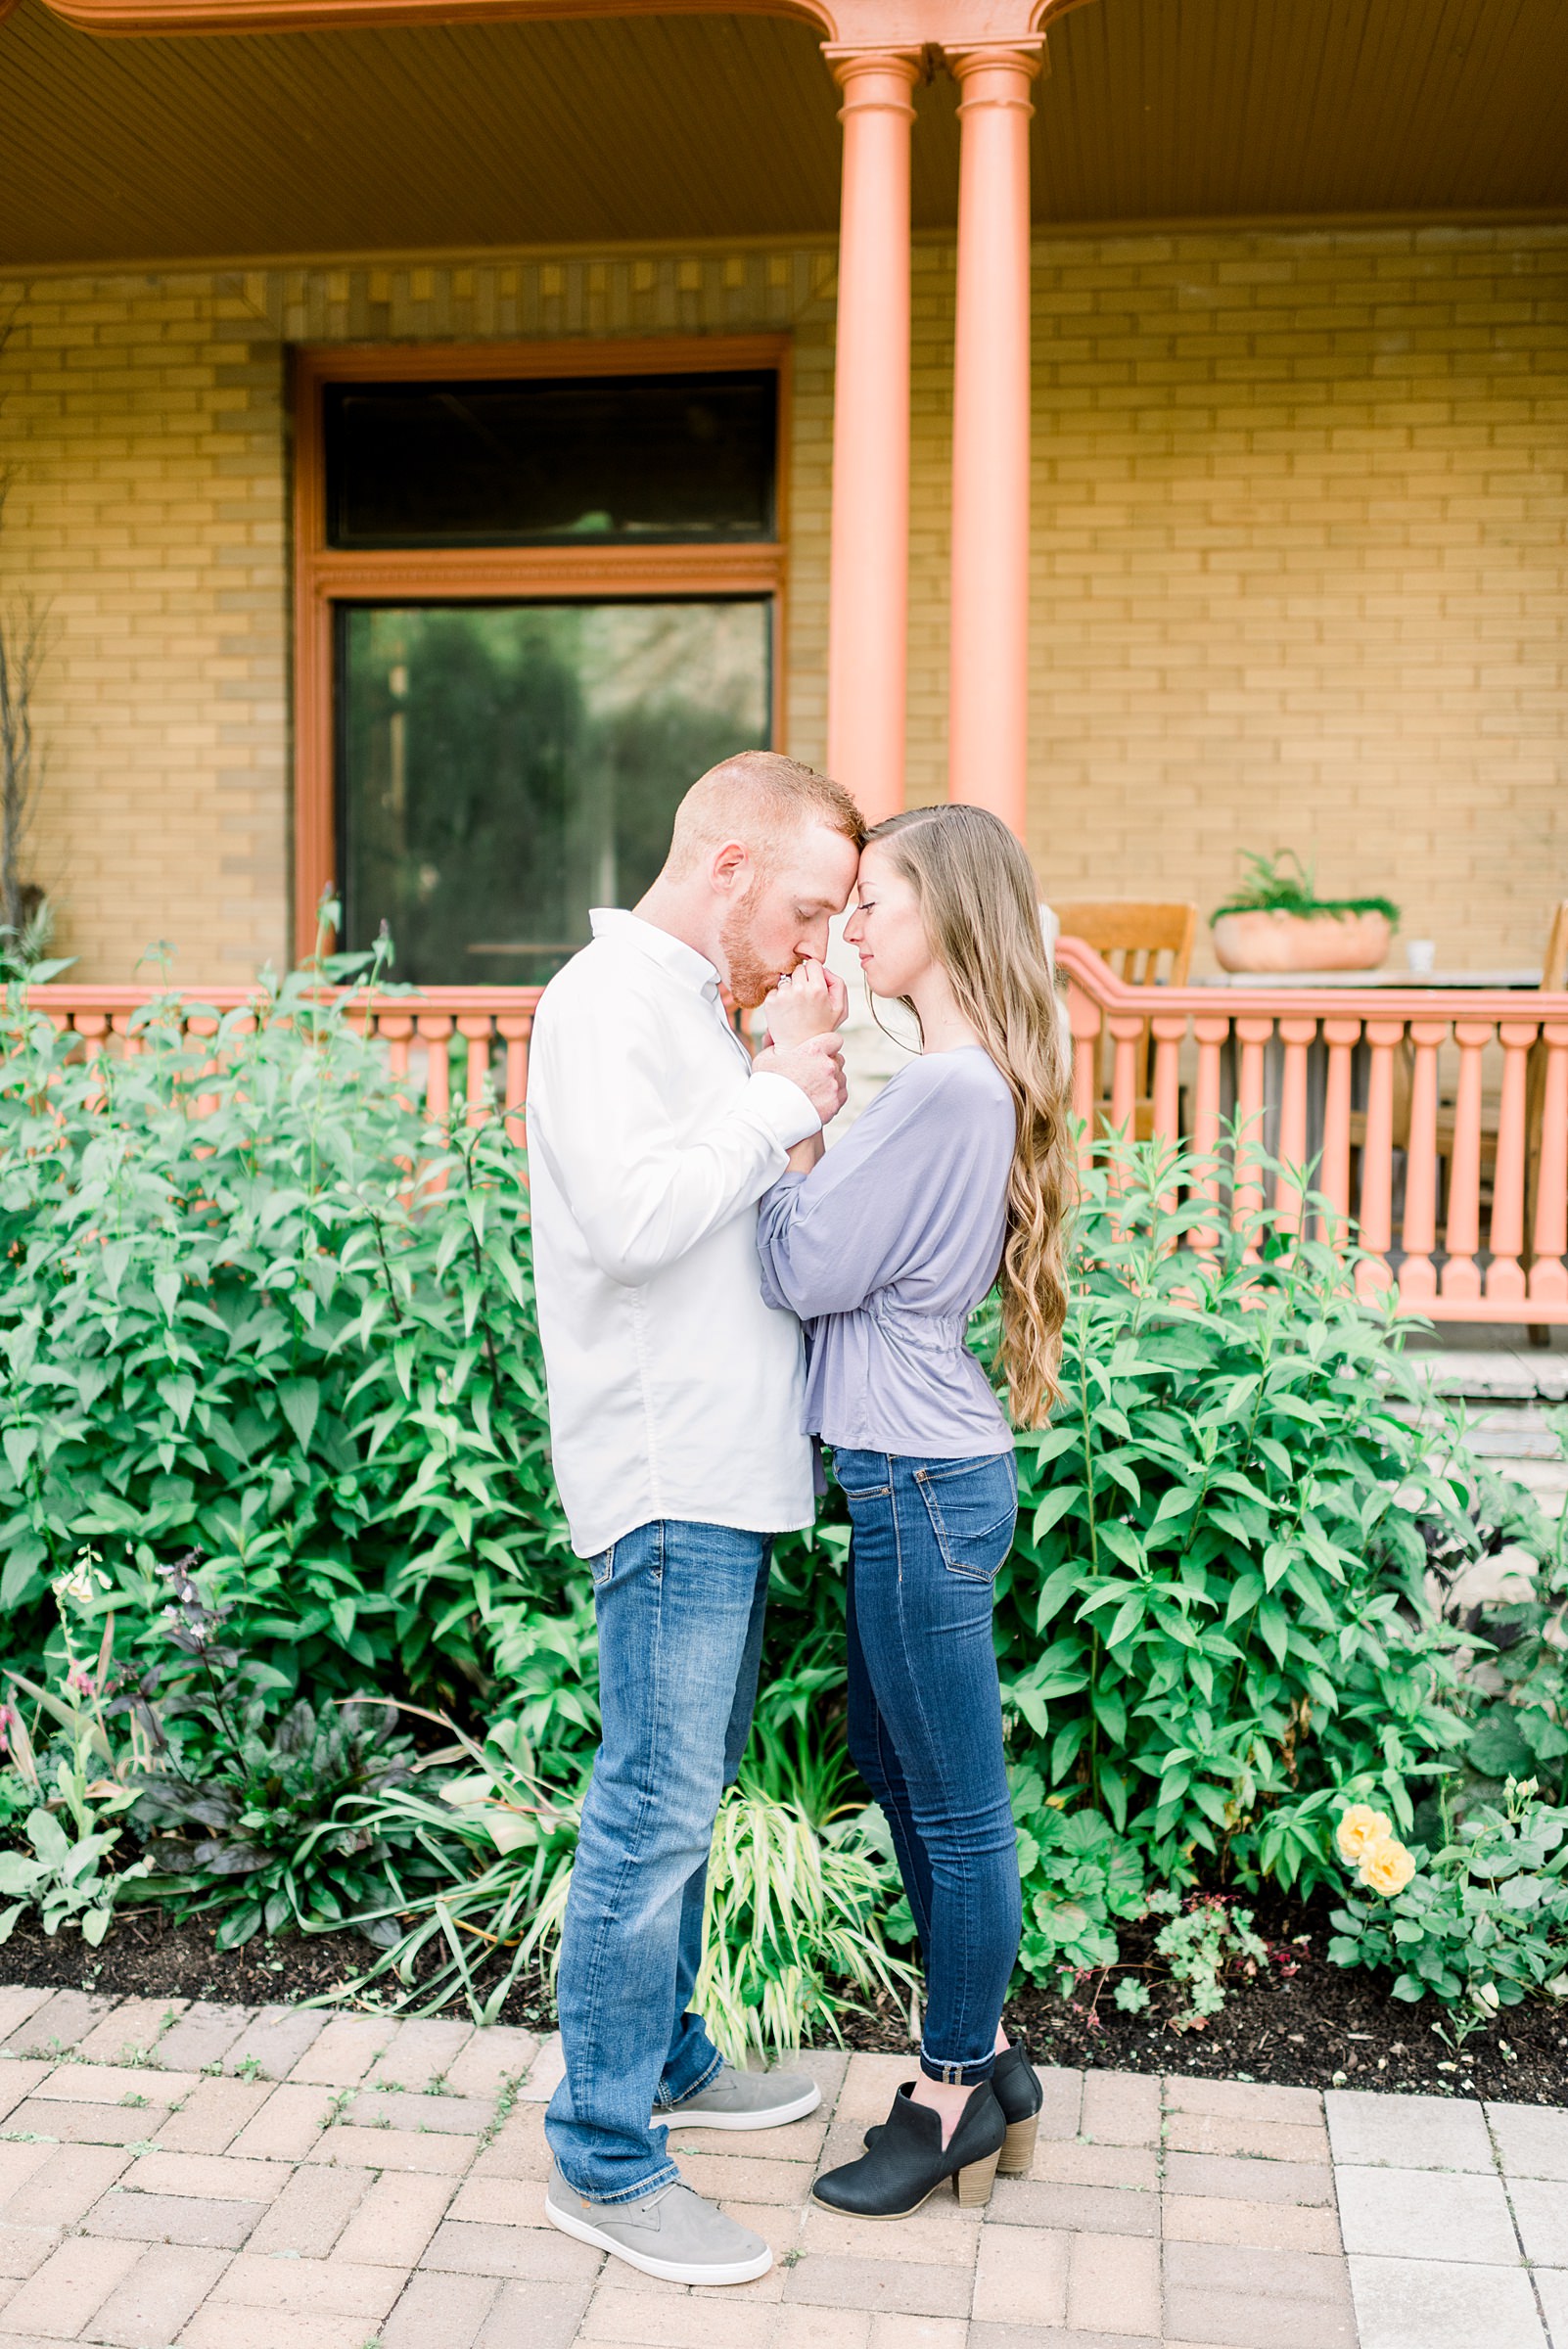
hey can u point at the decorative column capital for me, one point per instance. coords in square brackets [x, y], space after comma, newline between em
[877, 77]
[996, 73]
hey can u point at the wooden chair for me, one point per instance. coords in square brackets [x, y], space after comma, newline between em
[1147, 944]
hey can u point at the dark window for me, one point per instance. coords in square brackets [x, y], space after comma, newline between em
[504, 766]
[591, 459]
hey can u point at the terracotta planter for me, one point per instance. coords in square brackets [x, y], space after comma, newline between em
[1301, 942]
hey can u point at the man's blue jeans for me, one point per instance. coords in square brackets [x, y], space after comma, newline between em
[926, 1729]
[680, 1610]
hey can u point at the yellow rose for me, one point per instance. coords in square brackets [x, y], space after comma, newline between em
[1362, 1830]
[1387, 1867]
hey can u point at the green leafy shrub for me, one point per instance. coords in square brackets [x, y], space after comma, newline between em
[1079, 1880]
[1214, 1613]
[1483, 1921]
[261, 1308]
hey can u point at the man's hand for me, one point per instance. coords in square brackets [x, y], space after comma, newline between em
[811, 1000]
[816, 1066]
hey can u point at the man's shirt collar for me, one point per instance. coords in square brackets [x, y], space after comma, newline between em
[659, 946]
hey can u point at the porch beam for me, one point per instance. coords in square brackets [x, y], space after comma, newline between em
[868, 596]
[859, 24]
[989, 687]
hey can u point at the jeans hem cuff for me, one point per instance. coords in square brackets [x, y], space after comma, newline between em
[696, 2088]
[667, 2176]
[957, 2075]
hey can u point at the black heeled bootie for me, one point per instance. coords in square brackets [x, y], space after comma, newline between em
[909, 2161]
[1015, 2083]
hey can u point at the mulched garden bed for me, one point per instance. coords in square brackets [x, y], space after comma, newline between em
[1301, 2022]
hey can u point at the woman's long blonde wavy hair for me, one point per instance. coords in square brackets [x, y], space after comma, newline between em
[981, 911]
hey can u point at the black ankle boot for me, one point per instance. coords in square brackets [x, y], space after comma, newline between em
[1017, 2090]
[909, 2161]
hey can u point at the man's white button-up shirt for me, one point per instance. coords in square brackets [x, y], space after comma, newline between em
[674, 1391]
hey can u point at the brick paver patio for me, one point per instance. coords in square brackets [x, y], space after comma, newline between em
[223, 2178]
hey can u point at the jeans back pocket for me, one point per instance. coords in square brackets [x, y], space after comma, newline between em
[973, 1507]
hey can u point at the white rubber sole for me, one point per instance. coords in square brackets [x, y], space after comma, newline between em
[668, 2271]
[774, 2118]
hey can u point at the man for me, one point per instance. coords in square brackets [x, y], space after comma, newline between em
[675, 1429]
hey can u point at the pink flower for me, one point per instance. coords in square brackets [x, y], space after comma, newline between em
[7, 1717]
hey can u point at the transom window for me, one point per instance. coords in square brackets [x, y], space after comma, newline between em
[600, 458]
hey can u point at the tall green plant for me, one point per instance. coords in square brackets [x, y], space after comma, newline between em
[1214, 1611]
[261, 1309]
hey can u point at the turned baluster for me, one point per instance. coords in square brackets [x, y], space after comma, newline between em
[396, 1028]
[475, 1028]
[1418, 1275]
[434, 1028]
[1548, 1275]
[91, 1026]
[1505, 1278]
[1212, 1035]
[515, 1028]
[1084, 1025]
[1333, 1176]
[1461, 1275]
[1296, 1035]
[199, 1025]
[1253, 1033]
[1168, 1029]
[1383, 1037]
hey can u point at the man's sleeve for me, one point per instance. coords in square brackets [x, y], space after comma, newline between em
[600, 1111]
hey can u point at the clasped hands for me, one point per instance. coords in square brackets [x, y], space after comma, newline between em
[804, 1013]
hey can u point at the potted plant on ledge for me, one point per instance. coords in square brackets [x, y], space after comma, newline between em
[1277, 922]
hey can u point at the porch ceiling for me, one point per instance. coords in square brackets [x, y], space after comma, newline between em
[677, 128]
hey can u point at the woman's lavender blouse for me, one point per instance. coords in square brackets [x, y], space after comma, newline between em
[886, 1247]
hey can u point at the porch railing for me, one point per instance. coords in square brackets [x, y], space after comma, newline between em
[1436, 1117]
[486, 1028]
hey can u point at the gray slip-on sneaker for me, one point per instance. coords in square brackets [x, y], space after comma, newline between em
[743, 2101]
[672, 2234]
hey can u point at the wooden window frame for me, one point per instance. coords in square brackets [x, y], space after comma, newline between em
[325, 576]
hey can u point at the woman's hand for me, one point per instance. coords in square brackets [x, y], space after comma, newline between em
[812, 1001]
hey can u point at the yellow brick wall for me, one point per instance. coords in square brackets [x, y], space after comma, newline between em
[1300, 513]
[1300, 527]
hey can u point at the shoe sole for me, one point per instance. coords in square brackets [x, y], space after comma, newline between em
[668, 2271]
[773, 2119]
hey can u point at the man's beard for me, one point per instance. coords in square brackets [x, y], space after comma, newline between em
[750, 978]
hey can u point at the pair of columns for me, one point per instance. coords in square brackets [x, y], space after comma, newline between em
[869, 594]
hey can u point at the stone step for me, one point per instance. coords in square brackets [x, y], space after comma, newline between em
[1520, 1374]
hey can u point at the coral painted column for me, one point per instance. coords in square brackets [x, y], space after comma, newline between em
[869, 589]
[989, 707]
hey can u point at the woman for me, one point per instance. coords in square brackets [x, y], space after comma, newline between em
[958, 1172]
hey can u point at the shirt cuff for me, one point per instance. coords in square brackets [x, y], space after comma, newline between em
[785, 1110]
